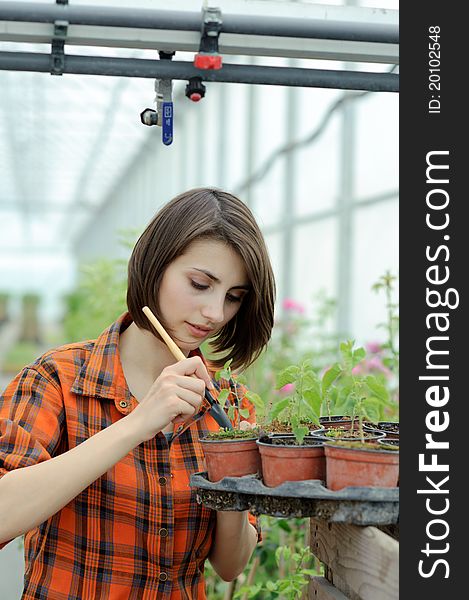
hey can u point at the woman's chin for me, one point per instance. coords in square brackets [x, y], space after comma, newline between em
[187, 345]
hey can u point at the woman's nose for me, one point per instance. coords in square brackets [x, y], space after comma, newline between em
[214, 310]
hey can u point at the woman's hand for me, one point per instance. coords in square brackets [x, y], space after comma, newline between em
[174, 395]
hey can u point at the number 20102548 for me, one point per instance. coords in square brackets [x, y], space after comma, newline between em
[434, 104]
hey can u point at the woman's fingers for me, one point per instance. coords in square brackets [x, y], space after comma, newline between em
[193, 366]
[175, 395]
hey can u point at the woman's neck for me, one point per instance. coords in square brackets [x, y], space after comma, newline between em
[143, 354]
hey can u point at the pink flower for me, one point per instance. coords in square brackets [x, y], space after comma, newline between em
[292, 305]
[377, 364]
[287, 389]
[359, 369]
[368, 366]
[373, 347]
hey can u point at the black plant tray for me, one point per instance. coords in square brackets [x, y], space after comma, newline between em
[353, 505]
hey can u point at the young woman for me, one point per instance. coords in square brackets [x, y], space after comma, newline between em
[86, 470]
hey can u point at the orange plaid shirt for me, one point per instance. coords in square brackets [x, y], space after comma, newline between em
[137, 532]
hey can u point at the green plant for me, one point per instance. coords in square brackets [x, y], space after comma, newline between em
[235, 411]
[295, 338]
[263, 567]
[291, 585]
[303, 405]
[362, 396]
[99, 297]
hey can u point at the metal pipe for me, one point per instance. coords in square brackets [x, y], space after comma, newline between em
[324, 26]
[230, 73]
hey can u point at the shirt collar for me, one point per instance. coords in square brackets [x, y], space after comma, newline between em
[97, 376]
[101, 374]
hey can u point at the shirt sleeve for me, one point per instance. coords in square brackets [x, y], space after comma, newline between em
[31, 419]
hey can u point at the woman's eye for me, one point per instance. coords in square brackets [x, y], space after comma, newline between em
[198, 286]
[231, 298]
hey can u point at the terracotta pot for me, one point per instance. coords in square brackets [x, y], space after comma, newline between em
[360, 467]
[282, 463]
[231, 458]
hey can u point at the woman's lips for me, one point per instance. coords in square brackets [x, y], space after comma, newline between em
[197, 331]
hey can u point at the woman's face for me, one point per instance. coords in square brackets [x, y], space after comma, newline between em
[201, 291]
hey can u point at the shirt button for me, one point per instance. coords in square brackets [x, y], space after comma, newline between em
[163, 576]
[163, 532]
[123, 404]
[162, 480]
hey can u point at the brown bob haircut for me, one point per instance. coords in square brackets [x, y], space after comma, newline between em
[207, 213]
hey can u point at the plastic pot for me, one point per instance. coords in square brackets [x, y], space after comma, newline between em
[338, 421]
[370, 435]
[281, 462]
[391, 429]
[231, 458]
[360, 467]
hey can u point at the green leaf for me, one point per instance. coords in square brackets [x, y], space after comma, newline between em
[309, 572]
[347, 355]
[244, 412]
[279, 407]
[345, 348]
[284, 586]
[314, 400]
[377, 388]
[357, 356]
[330, 376]
[255, 589]
[288, 375]
[256, 400]
[271, 585]
[251, 591]
[306, 412]
[283, 524]
[282, 551]
[372, 409]
[345, 405]
[300, 432]
[309, 381]
[223, 395]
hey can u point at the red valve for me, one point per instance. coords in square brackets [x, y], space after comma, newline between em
[195, 97]
[207, 61]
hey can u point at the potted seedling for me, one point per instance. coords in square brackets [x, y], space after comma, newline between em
[233, 452]
[331, 402]
[360, 462]
[361, 397]
[294, 457]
